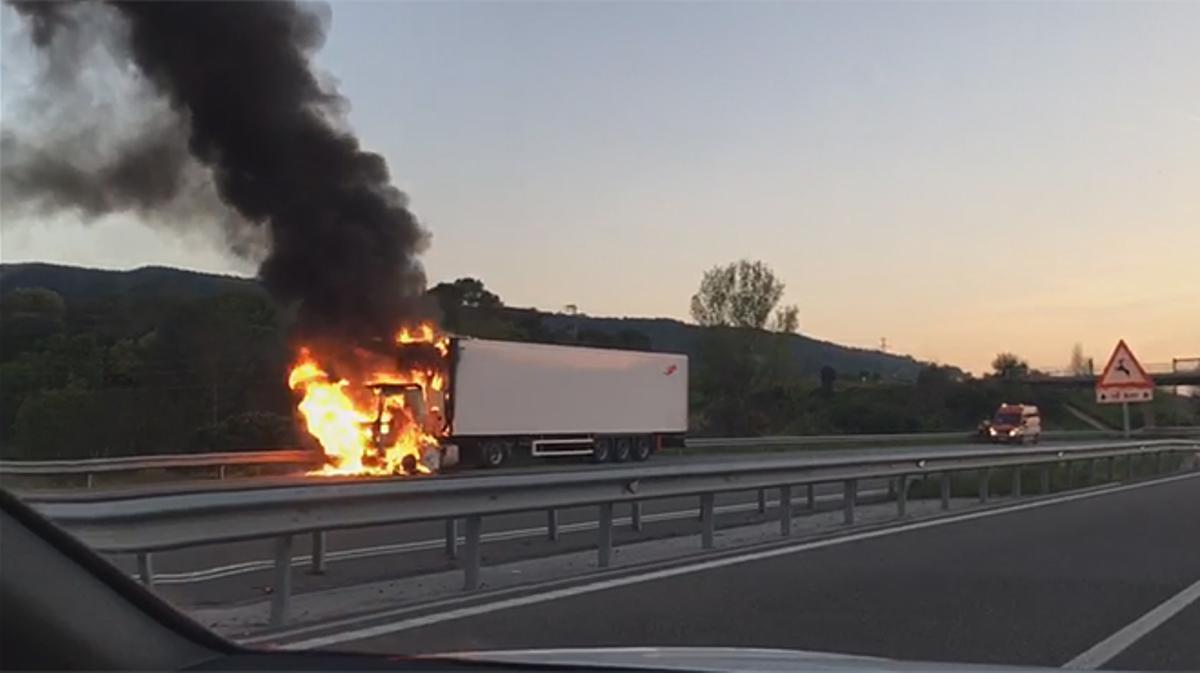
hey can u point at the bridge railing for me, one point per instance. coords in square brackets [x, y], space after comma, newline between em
[1175, 366]
[148, 524]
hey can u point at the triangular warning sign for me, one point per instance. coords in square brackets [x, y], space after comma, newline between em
[1123, 370]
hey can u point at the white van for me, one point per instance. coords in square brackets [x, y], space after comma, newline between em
[1016, 423]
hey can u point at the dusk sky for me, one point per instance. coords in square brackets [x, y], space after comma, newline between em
[958, 178]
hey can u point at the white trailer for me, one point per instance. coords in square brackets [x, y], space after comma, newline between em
[548, 400]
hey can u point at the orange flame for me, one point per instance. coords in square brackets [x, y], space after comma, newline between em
[368, 430]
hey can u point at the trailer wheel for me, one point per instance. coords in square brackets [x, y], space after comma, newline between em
[492, 454]
[601, 450]
[642, 448]
[621, 449]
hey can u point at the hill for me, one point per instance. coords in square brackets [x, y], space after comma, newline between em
[81, 284]
[154, 286]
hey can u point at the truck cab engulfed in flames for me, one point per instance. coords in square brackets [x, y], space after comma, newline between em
[382, 412]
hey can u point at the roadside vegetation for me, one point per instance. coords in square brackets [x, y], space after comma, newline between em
[96, 363]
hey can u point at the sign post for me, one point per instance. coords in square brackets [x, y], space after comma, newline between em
[1124, 381]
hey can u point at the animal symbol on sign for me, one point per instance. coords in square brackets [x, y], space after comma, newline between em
[1122, 368]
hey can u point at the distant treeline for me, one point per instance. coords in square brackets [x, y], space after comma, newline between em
[99, 363]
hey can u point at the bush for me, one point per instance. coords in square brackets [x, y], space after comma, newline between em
[248, 431]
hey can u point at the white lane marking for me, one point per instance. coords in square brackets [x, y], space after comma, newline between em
[220, 572]
[601, 585]
[1105, 650]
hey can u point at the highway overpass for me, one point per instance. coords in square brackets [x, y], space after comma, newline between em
[1178, 372]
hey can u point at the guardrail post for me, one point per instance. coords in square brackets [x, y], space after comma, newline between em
[762, 501]
[281, 589]
[472, 552]
[552, 524]
[89, 479]
[318, 553]
[604, 538]
[944, 486]
[849, 493]
[145, 566]
[1159, 468]
[1092, 465]
[708, 524]
[635, 515]
[1016, 482]
[451, 538]
[985, 480]
[811, 497]
[1045, 479]
[221, 472]
[785, 511]
[902, 496]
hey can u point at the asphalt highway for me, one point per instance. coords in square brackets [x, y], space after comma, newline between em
[1106, 578]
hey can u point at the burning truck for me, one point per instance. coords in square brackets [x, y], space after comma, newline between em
[429, 401]
[223, 123]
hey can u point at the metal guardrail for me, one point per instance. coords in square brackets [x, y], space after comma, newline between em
[147, 524]
[92, 466]
[894, 439]
[821, 440]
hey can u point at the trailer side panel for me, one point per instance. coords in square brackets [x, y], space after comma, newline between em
[504, 388]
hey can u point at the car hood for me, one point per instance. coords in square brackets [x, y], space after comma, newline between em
[717, 659]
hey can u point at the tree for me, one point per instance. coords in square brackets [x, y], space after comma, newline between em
[1080, 365]
[468, 293]
[741, 368]
[634, 339]
[828, 377]
[786, 320]
[742, 294]
[933, 376]
[1009, 366]
[29, 315]
[33, 302]
[225, 346]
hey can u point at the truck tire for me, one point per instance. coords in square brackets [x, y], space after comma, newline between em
[622, 447]
[492, 454]
[642, 448]
[601, 450]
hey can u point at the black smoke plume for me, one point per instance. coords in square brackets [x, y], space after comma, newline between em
[244, 105]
